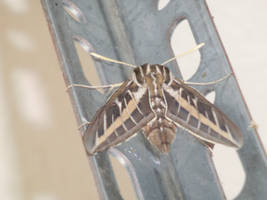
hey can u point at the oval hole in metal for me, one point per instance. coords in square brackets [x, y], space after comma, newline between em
[230, 171]
[74, 11]
[87, 63]
[182, 39]
[211, 96]
[124, 174]
[162, 4]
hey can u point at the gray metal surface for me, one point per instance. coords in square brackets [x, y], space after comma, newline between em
[136, 32]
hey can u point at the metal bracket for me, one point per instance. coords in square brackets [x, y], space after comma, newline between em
[137, 32]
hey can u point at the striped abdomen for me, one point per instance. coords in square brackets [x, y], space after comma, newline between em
[160, 131]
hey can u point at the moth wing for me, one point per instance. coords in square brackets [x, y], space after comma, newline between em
[125, 112]
[190, 110]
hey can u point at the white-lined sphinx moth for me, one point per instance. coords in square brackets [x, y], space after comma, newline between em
[157, 103]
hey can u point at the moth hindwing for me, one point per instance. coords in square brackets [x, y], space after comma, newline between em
[157, 103]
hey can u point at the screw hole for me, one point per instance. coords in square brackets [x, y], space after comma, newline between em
[74, 11]
[182, 39]
[162, 4]
[211, 96]
[231, 176]
[83, 48]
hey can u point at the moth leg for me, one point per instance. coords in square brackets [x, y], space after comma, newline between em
[208, 145]
[253, 124]
[209, 83]
[94, 87]
[84, 124]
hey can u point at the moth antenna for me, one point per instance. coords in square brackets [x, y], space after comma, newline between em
[94, 87]
[183, 54]
[209, 83]
[98, 56]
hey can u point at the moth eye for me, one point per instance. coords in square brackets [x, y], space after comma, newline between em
[167, 76]
[138, 75]
[145, 68]
[161, 69]
[167, 79]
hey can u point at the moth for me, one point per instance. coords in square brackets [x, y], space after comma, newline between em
[156, 102]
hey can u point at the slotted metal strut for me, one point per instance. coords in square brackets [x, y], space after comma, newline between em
[135, 32]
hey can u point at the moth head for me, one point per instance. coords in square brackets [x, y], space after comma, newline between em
[146, 72]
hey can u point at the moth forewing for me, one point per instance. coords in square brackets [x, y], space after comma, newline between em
[124, 114]
[190, 110]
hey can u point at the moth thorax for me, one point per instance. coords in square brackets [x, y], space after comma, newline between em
[146, 72]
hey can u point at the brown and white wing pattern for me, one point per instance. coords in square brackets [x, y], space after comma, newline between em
[125, 113]
[187, 108]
